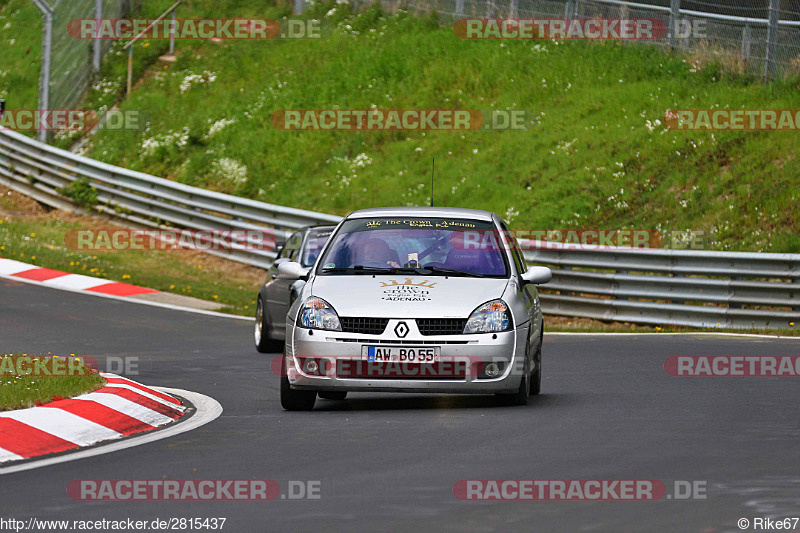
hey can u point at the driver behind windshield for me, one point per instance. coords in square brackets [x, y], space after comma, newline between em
[376, 252]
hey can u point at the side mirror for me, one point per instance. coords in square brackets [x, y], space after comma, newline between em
[279, 244]
[293, 270]
[537, 275]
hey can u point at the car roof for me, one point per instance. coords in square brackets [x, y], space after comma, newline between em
[313, 228]
[443, 212]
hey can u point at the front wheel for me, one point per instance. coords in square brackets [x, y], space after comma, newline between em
[518, 398]
[295, 400]
[521, 396]
[536, 375]
[261, 335]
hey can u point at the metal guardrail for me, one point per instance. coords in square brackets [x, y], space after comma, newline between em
[141, 200]
[675, 287]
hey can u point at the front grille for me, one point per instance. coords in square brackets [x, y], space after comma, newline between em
[398, 341]
[441, 326]
[365, 325]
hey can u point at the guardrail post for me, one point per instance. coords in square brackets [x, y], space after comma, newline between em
[735, 306]
[47, 52]
[746, 42]
[459, 8]
[172, 35]
[299, 6]
[772, 39]
[98, 14]
[130, 68]
[569, 10]
[617, 296]
[514, 9]
[674, 17]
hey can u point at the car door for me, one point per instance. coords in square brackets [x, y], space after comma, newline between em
[528, 292]
[278, 290]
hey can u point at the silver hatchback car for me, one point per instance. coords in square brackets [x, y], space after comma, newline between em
[434, 300]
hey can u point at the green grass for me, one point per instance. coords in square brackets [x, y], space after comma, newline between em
[40, 241]
[595, 155]
[21, 45]
[18, 391]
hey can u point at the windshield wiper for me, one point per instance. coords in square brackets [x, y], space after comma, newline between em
[420, 271]
[453, 272]
[360, 269]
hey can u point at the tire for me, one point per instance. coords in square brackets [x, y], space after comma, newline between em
[536, 375]
[332, 395]
[261, 334]
[295, 400]
[520, 397]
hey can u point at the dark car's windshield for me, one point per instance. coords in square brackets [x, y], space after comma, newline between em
[443, 246]
[316, 241]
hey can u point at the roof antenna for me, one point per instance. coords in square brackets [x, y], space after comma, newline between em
[433, 166]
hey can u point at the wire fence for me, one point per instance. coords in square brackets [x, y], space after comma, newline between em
[68, 64]
[761, 38]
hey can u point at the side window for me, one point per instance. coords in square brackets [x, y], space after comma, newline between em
[293, 246]
[516, 253]
[520, 260]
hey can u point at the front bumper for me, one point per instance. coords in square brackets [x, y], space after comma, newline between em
[341, 365]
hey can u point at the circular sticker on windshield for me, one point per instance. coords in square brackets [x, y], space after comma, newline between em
[329, 265]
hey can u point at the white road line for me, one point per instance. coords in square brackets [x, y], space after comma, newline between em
[127, 407]
[76, 282]
[9, 266]
[683, 333]
[124, 298]
[175, 406]
[6, 455]
[208, 410]
[63, 425]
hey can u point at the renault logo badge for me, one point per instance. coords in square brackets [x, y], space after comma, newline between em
[401, 329]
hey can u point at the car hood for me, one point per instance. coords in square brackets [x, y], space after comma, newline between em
[400, 296]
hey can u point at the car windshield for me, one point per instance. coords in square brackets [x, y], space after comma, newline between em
[441, 246]
[316, 241]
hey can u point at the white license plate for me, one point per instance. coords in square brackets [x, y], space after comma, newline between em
[402, 354]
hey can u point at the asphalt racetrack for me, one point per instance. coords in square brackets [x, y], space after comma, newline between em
[387, 462]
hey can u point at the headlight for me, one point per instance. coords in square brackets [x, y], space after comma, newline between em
[489, 318]
[316, 313]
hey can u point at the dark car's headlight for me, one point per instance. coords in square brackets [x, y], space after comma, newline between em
[490, 317]
[316, 313]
